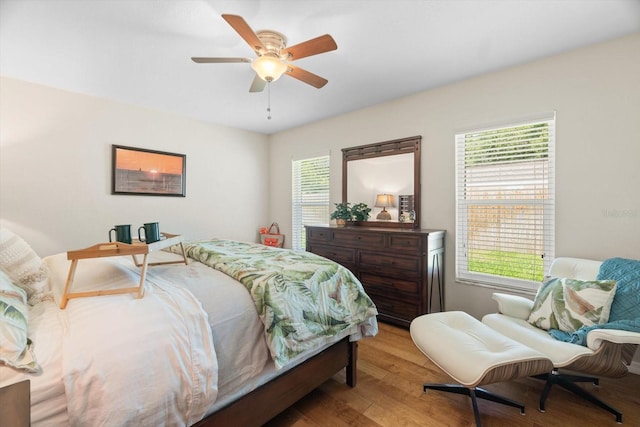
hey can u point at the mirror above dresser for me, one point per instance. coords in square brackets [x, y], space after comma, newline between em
[400, 265]
[385, 176]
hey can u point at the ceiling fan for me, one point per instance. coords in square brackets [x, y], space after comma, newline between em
[274, 57]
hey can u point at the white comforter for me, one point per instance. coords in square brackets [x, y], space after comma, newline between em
[128, 361]
[161, 360]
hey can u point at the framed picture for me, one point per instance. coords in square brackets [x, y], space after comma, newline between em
[139, 171]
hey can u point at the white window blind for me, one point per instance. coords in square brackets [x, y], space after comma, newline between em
[505, 203]
[310, 196]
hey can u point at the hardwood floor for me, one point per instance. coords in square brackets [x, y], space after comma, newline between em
[391, 371]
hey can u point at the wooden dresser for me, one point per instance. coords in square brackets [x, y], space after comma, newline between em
[402, 270]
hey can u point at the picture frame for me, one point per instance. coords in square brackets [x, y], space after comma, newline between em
[140, 171]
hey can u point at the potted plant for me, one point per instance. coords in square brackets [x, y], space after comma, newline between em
[360, 212]
[342, 214]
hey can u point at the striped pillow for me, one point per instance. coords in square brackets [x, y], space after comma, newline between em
[23, 266]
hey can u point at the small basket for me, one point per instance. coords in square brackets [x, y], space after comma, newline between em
[271, 236]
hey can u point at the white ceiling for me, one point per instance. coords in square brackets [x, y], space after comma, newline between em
[138, 51]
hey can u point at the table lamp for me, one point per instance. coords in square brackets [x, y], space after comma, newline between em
[384, 201]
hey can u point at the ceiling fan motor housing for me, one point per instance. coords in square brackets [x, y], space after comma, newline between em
[273, 41]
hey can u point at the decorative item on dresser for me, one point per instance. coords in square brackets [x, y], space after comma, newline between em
[402, 270]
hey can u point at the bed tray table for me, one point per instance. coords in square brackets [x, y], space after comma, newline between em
[109, 249]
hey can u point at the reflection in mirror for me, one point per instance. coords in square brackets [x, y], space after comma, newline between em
[407, 208]
[384, 168]
[380, 175]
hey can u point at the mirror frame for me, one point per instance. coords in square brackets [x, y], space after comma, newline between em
[380, 149]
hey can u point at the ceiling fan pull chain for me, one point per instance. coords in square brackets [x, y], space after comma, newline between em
[268, 100]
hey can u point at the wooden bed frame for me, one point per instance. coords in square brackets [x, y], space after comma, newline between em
[268, 400]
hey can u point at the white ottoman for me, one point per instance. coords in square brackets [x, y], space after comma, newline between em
[473, 354]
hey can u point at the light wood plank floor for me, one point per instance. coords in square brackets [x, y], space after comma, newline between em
[391, 371]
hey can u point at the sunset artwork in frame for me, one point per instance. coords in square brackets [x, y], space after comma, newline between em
[139, 171]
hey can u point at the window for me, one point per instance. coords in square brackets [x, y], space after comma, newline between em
[310, 196]
[505, 203]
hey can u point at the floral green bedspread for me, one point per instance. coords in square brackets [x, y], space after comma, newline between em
[301, 298]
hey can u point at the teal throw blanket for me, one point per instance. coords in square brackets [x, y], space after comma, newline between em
[625, 308]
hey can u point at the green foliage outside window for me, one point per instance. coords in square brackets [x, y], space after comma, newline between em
[506, 145]
[508, 264]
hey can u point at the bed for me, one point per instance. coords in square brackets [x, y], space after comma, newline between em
[206, 345]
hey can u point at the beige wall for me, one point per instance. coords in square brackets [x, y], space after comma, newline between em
[55, 170]
[596, 93]
[55, 159]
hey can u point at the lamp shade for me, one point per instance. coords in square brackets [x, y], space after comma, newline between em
[268, 67]
[385, 201]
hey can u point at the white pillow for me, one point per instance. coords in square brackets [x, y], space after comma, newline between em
[15, 346]
[23, 266]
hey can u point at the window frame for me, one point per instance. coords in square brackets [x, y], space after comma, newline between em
[547, 204]
[298, 222]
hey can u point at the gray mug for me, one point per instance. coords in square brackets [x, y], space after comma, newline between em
[123, 233]
[151, 232]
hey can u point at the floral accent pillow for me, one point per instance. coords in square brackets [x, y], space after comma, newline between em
[569, 304]
[15, 346]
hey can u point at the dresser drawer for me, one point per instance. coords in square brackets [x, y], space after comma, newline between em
[405, 242]
[394, 308]
[360, 240]
[394, 264]
[344, 256]
[318, 234]
[389, 285]
[396, 267]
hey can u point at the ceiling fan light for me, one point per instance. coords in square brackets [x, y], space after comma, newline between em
[269, 68]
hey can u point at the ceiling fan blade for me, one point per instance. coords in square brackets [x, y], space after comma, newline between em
[200, 60]
[310, 47]
[245, 31]
[257, 85]
[305, 76]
